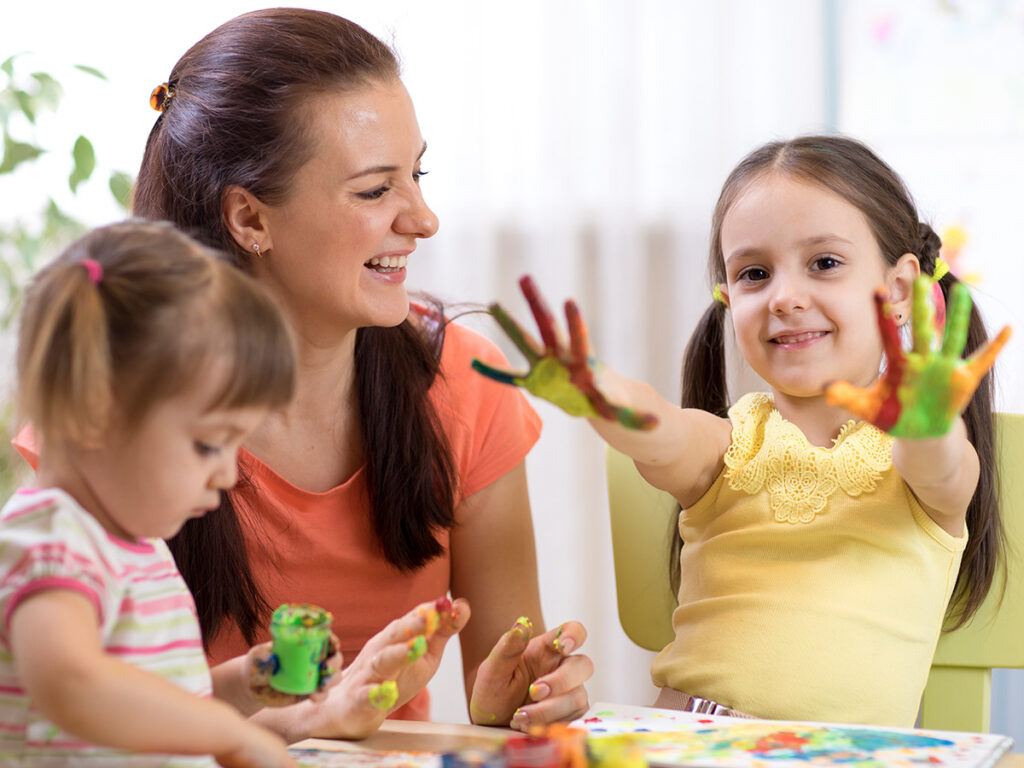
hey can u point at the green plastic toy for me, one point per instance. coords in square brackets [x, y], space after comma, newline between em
[924, 390]
[562, 376]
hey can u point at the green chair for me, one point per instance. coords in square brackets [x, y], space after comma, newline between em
[958, 694]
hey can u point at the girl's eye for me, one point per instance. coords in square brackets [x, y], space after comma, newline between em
[753, 274]
[417, 175]
[826, 262]
[374, 194]
[205, 449]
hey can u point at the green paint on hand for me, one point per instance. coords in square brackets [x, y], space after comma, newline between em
[549, 380]
[417, 647]
[385, 695]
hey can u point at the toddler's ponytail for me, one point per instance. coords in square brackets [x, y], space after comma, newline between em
[703, 376]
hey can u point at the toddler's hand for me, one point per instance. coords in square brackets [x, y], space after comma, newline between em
[261, 663]
[259, 748]
[562, 376]
[922, 391]
[528, 681]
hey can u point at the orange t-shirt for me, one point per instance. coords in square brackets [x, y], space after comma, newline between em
[319, 547]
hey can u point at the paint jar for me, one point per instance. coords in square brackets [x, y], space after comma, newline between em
[301, 635]
[473, 758]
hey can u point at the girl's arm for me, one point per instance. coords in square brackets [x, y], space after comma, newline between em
[55, 643]
[942, 472]
[511, 665]
[682, 454]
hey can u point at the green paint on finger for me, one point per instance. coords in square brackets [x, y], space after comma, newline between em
[417, 647]
[385, 695]
[479, 716]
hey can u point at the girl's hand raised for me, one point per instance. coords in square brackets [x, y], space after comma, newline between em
[530, 680]
[922, 391]
[562, 376]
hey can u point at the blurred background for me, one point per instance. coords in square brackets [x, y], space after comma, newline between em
[583, 142]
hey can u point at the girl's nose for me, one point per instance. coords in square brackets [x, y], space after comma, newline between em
[788, 295]
[417, 219]
[226, 475]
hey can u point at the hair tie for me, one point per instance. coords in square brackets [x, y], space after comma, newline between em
[941, 269]
[94, 268]
[716, 294]
[160, 98]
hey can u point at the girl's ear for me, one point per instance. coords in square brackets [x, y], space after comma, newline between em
[900, 284]
[245, 219]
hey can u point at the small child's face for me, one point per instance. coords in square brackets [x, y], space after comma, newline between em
[802, 265]
[152, 477]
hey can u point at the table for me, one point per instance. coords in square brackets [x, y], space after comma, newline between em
[406, 735]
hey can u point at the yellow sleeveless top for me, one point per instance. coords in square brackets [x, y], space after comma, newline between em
[814, 585]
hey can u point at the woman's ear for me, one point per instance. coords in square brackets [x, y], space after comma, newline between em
[900, 284]
[245, 218]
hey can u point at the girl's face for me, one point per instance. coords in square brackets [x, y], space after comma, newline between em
[340, 243]
[150, 478]
[802, 266]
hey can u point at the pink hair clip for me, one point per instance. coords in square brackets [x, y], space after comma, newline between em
[94, 268]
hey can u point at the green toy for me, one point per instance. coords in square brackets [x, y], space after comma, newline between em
[301, 637]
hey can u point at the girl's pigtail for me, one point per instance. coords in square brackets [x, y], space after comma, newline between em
[703, 378]
[64, 365]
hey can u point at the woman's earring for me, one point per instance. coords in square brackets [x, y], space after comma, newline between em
[256, 249]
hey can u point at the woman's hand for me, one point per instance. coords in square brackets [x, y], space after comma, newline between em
[393, 666]
[561, 375]
[923, 391]
[261, 663]
[530, 680]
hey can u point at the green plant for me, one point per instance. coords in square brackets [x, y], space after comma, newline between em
[28, 97]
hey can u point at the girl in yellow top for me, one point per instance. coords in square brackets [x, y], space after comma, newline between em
[819, 553]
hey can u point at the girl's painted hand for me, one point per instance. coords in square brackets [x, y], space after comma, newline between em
[564, 376]
[393, 666]
[261, 664]
[922, 391]
[529, 681]
[259, 748]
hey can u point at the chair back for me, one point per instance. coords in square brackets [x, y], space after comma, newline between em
[959, 692]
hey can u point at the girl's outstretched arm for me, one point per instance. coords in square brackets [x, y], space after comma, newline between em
[676, 450]
[54, 639]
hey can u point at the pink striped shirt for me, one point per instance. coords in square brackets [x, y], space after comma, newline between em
[145, 613]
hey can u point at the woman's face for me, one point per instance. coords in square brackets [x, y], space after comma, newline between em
[339, 244]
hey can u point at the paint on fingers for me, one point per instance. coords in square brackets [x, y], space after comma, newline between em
[385, 695]
[416, 648]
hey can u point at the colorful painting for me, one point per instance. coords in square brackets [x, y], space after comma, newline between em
[318, 758]
[671, 738]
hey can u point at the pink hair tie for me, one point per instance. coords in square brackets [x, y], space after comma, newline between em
[94, 268]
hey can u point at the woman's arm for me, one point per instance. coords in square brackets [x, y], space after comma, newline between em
[942, 472]
[55, 643]
[509, 666]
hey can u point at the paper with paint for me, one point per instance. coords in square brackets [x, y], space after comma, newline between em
[672, 738]
[318, 758]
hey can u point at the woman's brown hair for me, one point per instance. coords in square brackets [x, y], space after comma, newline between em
[851, 170]
[126, 317]
[235, 117]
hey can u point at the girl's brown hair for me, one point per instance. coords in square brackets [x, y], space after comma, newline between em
[851, 170]
[132, 314]
[237, 116]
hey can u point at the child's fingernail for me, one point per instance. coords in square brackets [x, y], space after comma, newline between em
[521, 717]
[563, 646]
[524, 625]
[417, 647]
[539, 691]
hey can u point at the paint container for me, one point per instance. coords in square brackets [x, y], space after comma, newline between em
[473, 758]
[301, 635]
[532, 752]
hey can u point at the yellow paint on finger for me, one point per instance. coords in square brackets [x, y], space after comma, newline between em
[556, 644]
[431, 620]
[479, 716]
[524, 625]
[385, 695]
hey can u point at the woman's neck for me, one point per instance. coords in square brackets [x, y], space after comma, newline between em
[819, 421]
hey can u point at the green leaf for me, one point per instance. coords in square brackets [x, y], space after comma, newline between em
[8, 66]
[16, 153]
[91, 71]
[85, 162]
[121, 188]
[50, 91]
[25, 104]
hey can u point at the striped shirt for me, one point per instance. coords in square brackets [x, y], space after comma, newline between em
[145, 614]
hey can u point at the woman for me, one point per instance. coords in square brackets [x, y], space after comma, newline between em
[287, 139]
